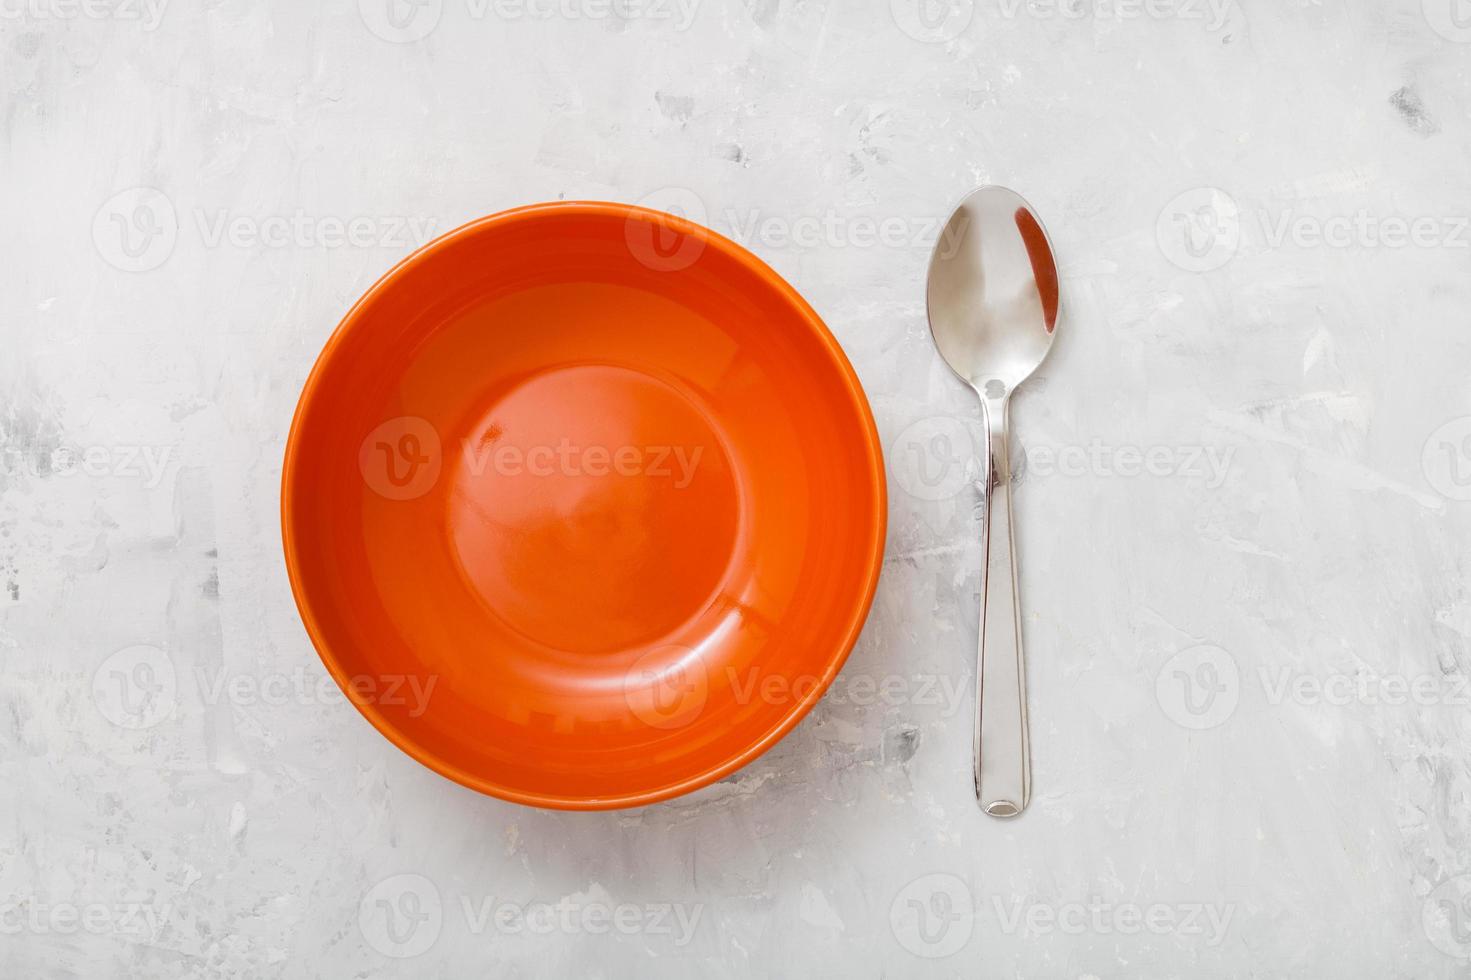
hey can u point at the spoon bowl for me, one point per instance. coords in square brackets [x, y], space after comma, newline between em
[993, 295]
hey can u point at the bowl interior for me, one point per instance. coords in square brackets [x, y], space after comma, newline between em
[583, 506]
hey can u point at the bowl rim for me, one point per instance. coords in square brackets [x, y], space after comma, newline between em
[313, 390]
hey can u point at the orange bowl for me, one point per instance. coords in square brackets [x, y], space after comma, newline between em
[583, 507]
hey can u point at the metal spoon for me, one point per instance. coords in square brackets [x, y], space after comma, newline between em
[993, 304]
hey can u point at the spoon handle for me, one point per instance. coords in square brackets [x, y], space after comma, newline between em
[1002, 751]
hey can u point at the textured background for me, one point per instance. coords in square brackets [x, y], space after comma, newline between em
[1243, 511]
